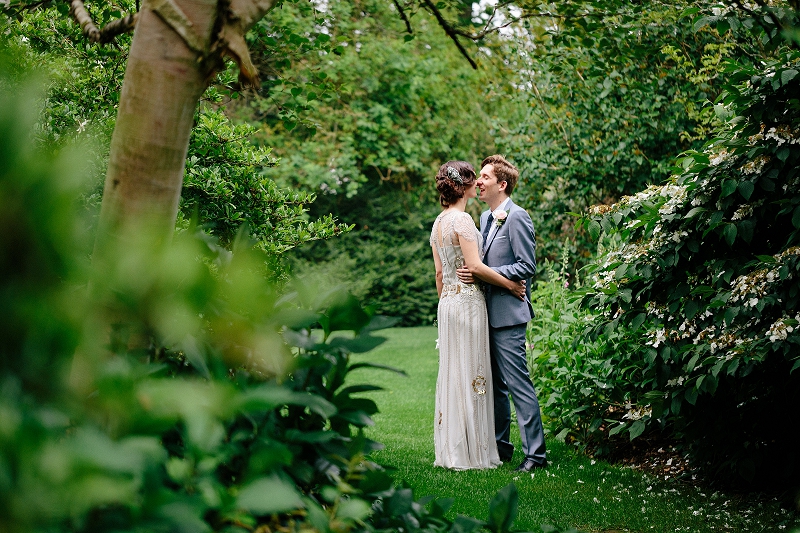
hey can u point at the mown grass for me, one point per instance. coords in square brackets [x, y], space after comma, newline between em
[574, 491]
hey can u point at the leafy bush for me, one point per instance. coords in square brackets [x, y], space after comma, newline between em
[225, 188]
[703, 272]
[583, 386]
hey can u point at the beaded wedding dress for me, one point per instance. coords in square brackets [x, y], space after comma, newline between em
[464, 418]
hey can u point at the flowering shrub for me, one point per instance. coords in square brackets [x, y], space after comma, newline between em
[703, 272]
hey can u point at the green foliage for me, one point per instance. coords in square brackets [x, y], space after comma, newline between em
[386, 260]
[702, 270]
[383, 108]
[225, 189]
[615, 93]
[583, 387]
[168, 386]
[386, 113]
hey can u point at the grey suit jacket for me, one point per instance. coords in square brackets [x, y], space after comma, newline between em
[511, 251]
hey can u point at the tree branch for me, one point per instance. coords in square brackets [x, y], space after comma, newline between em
[487, 30]
[403, 16]
[105, 35]
[449, 30]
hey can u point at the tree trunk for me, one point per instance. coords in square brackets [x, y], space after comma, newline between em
[163, 83]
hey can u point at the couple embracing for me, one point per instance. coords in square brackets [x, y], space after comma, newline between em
[483, 277]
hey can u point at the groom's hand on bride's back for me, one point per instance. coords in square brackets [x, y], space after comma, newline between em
[465, 276]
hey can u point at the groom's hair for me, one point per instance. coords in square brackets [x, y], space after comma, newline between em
[504, 171]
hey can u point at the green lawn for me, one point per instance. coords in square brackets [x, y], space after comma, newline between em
[574, 491]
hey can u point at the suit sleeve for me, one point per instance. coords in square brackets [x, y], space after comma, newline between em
[522, 240]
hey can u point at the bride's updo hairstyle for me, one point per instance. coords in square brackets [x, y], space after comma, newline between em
[453, 178]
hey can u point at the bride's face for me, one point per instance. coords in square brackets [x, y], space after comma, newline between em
[471, 191]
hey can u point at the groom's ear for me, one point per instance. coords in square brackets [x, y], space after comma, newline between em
[502, 185]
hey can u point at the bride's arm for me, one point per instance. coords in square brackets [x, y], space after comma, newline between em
[438, 263]
[472, 260]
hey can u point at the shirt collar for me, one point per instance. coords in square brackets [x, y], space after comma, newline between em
[502, 207]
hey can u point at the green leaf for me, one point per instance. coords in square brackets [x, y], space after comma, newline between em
[269, 495]
[691, 395]
[352, 389]
[594, 229]
[353, 509]
[503, 509]
[729, 233]
[400, 502]
[746, 189]
[637, 428]
[360, 344]
[408, 37]
[690, 308]
[357, 418]
[465, 524]
[695, 211]
[788, 75]
[728, 187]
[637, 321]
[440, 506]
[295, 435]
[375, 365]
[617, 429]
[268, 397]
[700, 23]
[795, 218]
[346, 314]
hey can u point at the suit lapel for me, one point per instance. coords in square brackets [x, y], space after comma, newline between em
[492, 236]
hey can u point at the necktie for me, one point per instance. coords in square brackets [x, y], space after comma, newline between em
[486, 228]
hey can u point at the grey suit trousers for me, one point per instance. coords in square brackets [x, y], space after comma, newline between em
[510, 375]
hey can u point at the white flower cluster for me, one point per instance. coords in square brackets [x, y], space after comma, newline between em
[600, 209]
[700, 199]
[677, 381]
[637, 413]
[756, 165]
[779, 330]
[676, 196]
[745, 210]
[783, 134]
[653, 194]
[720, 157]
[657, 337]
[750, 287]
[603, 280]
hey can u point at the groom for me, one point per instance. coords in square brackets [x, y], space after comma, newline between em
[509, 248]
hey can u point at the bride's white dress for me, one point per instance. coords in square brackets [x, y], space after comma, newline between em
[464, 418]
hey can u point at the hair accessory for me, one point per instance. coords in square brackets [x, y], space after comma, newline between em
[454, 175]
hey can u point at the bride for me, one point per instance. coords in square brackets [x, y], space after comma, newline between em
[464, 418]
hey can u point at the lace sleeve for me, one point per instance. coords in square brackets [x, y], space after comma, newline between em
[464, 226]
[434, 229]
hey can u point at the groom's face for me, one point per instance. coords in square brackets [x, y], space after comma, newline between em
[488, 186]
